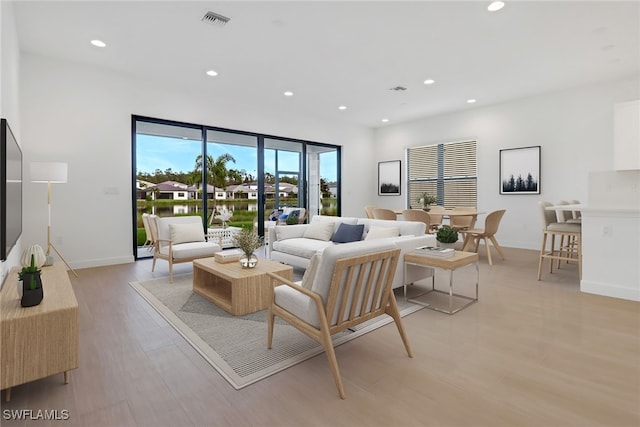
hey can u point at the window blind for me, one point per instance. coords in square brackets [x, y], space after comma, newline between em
[447, 171]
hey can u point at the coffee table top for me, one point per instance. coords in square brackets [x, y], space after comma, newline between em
[233, 270]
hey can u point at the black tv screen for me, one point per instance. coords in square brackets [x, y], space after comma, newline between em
[10, 190]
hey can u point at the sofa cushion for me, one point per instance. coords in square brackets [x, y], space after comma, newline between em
[347, 233]
[310, 272]
[406, 228]
[185, 233]
[319, 231]
[284, 232]
[335, 220]
[376, 232]
[301, 246]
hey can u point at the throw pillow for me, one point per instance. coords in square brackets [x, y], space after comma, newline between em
[310, 272]
[319, 231]
[293, 218]
[185, 233]
[382, 232]
[348, 233]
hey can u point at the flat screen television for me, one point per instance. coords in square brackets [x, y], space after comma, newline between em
[10, 190]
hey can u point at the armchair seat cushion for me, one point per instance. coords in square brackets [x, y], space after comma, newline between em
[191, 250]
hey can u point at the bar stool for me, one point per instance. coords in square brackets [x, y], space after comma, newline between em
[562, 229]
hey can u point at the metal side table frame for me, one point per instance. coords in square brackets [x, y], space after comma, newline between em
[459, 259]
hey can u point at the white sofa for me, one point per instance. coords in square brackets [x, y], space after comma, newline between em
[296, 244]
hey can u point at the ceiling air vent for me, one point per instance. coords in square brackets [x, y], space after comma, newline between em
[215, 19]
[398, 88]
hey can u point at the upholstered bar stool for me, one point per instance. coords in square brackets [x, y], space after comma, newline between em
[564, 216]
[563, 229]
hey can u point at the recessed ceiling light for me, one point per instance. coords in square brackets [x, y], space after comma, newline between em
[495, 6]
[212, 73]
[342, 107]
[429, 81]
[471, 101]
[288, 93]
[385, 120]
[98, 43]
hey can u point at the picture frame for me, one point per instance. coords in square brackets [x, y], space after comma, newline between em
[520, 170]
[389, 183]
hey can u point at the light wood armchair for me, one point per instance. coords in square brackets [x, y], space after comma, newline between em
[352, 284]
[180, 239]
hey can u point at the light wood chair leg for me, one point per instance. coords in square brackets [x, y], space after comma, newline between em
[488, 249]
[331, 355]
[553, 252]
[153, 265]
[542, 251]
[394, 312]
[270, 320]
[497, 246]
[170, 272]
[67, 377]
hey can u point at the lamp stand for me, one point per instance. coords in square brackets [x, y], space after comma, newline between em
[49, 244]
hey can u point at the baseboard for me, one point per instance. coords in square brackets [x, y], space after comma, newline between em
[101, 262]
[610, 290]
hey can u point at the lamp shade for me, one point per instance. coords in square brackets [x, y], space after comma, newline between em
[53, 172]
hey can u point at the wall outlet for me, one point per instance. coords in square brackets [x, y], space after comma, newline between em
[606, 231]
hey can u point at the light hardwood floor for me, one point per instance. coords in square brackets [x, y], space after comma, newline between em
[528, 353]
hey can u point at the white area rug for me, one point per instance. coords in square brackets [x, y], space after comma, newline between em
[236, 346]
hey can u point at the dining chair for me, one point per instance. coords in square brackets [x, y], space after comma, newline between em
[436, 213]
[368, 210]
[418, 215]
[550, 227]
[380, 213]
[463, 222]
[491, 224]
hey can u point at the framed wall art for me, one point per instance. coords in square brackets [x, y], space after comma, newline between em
[520, 170]
[389, 178]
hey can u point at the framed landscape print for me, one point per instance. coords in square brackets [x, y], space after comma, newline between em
[389, 178]
[520, 170]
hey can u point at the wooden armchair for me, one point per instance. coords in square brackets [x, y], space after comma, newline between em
[350, 285]
[180, 239]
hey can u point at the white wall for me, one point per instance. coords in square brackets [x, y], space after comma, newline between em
[9, 98]
[574, 128]
[82, 115]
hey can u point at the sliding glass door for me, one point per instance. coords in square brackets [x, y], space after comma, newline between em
[226, 175]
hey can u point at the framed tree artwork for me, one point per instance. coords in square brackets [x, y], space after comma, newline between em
[389, 178]
[520, 170]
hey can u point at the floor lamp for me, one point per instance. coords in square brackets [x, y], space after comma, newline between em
[50, 173]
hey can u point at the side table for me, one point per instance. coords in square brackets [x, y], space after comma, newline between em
[459, 259]
[42, 340]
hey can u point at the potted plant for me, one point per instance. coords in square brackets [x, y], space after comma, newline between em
[31, 284]
[248, 242]
[425, 200]
[446, 237]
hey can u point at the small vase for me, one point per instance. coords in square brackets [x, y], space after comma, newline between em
[31, 297]
[249, 261]
[426, 208]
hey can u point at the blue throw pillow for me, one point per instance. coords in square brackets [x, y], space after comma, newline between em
[348, 233]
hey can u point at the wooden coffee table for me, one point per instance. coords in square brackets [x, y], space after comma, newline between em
[235, 289]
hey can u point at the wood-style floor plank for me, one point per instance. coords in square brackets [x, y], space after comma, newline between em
[528, 353]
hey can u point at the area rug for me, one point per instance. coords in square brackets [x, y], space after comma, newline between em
[236, 346]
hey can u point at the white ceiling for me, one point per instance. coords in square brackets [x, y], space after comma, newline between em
[332, 53]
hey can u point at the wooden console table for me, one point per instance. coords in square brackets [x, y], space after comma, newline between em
[42, 340]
